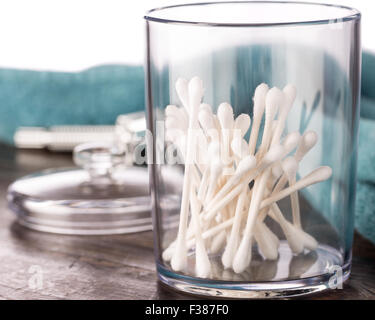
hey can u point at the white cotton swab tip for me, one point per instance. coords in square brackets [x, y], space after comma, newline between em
[242, 123]
[225, 116]
[182, 91]
[274, 99]
[214, 150]
[245, 165]
[273, 155]
[195, 92]
[206, 120]
[309, 139]
[290, 166]
[277, 171]
[291, 141]
[290, 92]
[205, 107]
[171, 110]
[319, 175]
[260, 98]
[240, 147]
[172, 123]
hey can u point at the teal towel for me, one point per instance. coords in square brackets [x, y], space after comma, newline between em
[94, 96]
[365, 203]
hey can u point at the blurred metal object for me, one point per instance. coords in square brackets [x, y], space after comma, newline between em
[61, 138]
[67, 137]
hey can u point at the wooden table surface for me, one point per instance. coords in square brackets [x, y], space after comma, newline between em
[104, 267]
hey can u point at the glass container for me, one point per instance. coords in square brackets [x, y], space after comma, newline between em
[256, 104]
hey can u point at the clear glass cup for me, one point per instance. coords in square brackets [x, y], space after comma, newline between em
[291, 233]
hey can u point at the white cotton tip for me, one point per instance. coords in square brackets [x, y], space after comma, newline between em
[179, 114]
[242, 257]
[168, 253]
[242, 123]
[172, 123]
[202, 270]
[202, 262]
[308, 241]
[293, 237]
[172, 134]
[267, 246]
[290, 166]
[274, 100]
[195, 93]
[318, 175]
[179, 258]
[309, 139]
[214, 150]
[291, 141]
[206, 120]
[205, 107]
[245, 165]
[270, 235]
[225, 116]
[277, 171]
[274, 154]
[216, 168]
[290, 93]
[260, 99]
[218, 243]
[227, 256]
[172, 111]
[240, 147]
[182, 91]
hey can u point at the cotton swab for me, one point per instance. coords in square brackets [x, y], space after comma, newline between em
[205, 107]
[258, 110]
[232, 244]
[179, 259]
[287, 103]
[297, 238]
[242, 124]
[318, 175]
[290, 167]
[247, 173]
[267, 241]
[240, 148]
[273, 101]
[202, 264]
[307, 142]
[243, 255]
[179, 114]
[207, 122]
[216, 168]
[226, 119]
[183, 93]
[226, 209]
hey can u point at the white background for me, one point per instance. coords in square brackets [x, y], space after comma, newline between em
[70, 35]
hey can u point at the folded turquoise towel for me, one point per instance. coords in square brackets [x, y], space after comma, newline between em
[94, 96]
[365, 203]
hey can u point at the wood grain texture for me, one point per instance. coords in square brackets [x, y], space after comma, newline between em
[105, 267]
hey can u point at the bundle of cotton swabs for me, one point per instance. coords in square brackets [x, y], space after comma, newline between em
[226, 199]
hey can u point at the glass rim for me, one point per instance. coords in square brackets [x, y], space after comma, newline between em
[353, 14]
